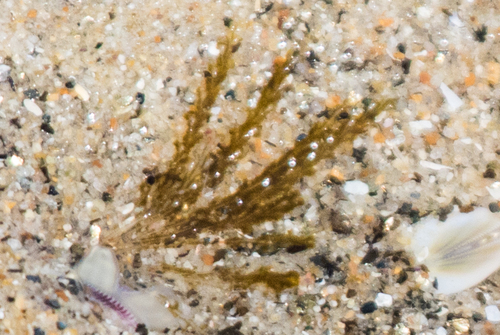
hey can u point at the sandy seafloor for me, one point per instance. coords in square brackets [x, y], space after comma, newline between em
[83, 63]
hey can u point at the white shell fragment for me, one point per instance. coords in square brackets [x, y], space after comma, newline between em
[100, 271]
[434, 166]
[4, 72]
[383, 300]
[451, 97]
[32, 107]
[356, 187]
[494, 190]
[417, 127]
[492, 313]
[460, 252]
[82, 92]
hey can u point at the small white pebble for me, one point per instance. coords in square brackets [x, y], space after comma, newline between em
[2, 314]
[269, 226]
[67, 227]
[29, 215]
[4, 72]
[317, 309]
[451, 97]
[331, 289]
[140, 84]
[36, 147]
[86, 309]
[14, 243]
[383, 300]
[126, 209]
[32, 107]
[253, 319]
[424, 13]
[492, 313]
[212, 49]
[416, 127]
[356, 187]
[159, 85]
[187, 265]
[434, 166]
[441, 331]
[82, 92]
[494, 190]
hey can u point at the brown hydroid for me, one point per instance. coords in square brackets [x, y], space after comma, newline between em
[167, 204]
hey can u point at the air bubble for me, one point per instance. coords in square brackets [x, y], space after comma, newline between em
[194, 186]
[329, 139]
[314, 145]
[239, 202]
[292, 162]
[311, 156]
[266, 182]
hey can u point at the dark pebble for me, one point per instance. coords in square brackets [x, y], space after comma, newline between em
[38, 331]
[477, 317]
[351, 293]
[73, 287]
[34, 279]
[140, 98]
[190, 293]
[403, 276]
[150, 179]
[368, 307]
[98, 45]
[405, 64]
[415, 195]
[232, 330]
[137, 262]
[405, 208]
[60, 325]
[359, 154]
[370, 256]
[480, 34]
[106, 197]
[489, 173]
[494, 208]
[194, 303]
[241, 311]
[47, 128]
[228, 21]
[220, 254]
[52, 303]
[31, 93]
[52, 190]
[329, 267]
[228, 305]
[230, 95]
[46, 118]
[141, 329]
[301, 137]
[401, 48]
[70, 84]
